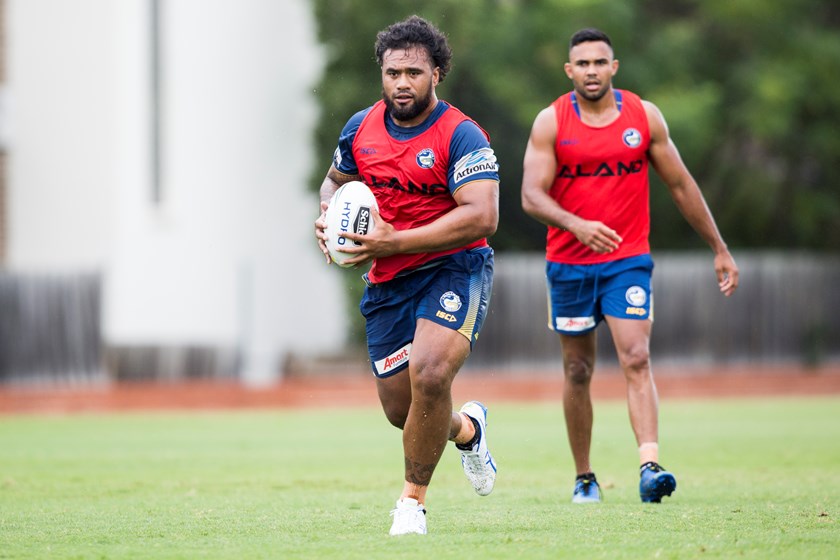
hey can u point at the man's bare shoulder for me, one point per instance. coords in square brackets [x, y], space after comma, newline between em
[545, 123]
[547, 113]
[656, 120]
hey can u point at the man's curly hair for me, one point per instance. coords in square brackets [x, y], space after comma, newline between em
[415, 31]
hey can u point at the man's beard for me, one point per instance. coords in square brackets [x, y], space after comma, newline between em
[407, 112]
[592, 96]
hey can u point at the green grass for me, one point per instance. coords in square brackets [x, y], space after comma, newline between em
[756, 479]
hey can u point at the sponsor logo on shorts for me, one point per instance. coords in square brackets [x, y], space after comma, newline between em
[450, 302]
[636, 296]
[574, 324]
[426, 158]
[640, 311]
[446, 316]
[389, 363]
[632, 137]
[482, 160]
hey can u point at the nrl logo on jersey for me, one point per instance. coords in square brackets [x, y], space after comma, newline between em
[426, 158]
[479, 161]
[632, 138]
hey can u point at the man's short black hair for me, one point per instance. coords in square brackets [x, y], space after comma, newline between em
[415, 31]
[589, 34]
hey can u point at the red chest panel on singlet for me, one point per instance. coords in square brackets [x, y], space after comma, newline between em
[409, 179]
[602, 174]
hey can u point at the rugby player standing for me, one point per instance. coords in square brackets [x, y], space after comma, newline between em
[586, 177]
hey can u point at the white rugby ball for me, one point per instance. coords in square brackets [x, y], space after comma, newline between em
[349, 211]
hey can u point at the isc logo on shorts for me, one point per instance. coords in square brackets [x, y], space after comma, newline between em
[446, 316]
[391, 362]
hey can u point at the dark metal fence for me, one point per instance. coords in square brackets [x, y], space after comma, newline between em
[171, 362]
[50, 327]
[787, 309]
[51, 331]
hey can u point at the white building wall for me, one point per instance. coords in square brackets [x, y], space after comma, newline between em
[228, 257]
[61, 133]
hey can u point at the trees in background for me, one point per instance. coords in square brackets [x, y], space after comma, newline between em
[750, 89]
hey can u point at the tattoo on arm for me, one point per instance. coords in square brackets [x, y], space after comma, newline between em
[341, 178]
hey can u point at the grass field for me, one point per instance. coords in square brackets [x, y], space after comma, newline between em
[756, 479]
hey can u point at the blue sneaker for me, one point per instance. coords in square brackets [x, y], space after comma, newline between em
[587, 490]
[655, 482]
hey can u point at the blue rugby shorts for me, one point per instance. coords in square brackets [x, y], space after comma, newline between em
[453, 291]
[579, 296]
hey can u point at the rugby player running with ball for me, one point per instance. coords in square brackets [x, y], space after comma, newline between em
[436, 182]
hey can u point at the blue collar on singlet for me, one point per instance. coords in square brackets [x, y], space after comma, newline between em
[403, 133]
[618, 101]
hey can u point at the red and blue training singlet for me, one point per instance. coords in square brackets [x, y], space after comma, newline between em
[602, 174]
[414, 177]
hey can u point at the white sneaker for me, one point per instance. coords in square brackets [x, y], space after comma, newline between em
[477, 462]
[409, 517]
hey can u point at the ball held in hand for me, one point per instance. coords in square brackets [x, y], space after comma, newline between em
[349, 211]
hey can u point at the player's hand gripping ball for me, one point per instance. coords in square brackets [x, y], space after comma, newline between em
[349, 211]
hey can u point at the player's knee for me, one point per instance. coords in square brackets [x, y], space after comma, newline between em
[636, 359]
[578, 371]
[395, 414]
[432, 381]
